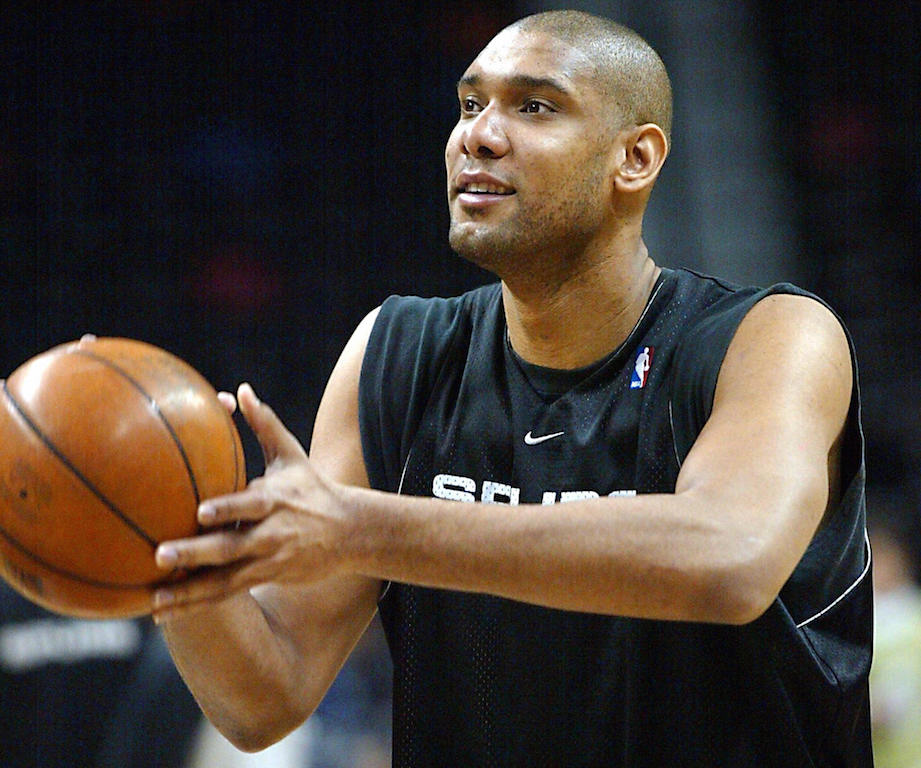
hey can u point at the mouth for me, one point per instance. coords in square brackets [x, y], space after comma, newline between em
[478, 192]
[482, 188]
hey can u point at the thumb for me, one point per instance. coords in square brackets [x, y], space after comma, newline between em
[277, 442]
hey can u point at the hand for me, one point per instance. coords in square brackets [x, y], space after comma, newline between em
[284, 527]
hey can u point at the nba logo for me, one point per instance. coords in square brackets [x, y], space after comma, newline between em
[641, 367]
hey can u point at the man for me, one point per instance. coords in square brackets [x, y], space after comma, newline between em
[701, 598]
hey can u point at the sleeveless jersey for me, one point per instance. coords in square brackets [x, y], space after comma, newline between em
[448, 409]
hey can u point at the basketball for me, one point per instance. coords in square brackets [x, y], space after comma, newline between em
[107, 446]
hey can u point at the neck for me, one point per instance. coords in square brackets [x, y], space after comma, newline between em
[575, 320]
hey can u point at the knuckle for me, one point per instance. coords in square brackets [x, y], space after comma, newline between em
[228, 547]
[184, 557]
[267, 541]
[264, 499]
[274, 499]
[243, 578]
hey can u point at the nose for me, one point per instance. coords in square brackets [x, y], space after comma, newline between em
[484, 136]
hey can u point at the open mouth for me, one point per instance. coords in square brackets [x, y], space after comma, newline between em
[479, 188]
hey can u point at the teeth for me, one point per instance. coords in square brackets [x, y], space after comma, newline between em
[492, 189]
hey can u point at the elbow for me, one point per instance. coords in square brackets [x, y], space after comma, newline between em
[250, 741]
[255, 736]
[742, 607]
[254, 731]
[740, 592]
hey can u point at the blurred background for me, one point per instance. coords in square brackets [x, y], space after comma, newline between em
[241, 182]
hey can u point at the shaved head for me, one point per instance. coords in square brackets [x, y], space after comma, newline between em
[627, 70]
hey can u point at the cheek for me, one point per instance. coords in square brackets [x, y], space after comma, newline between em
[565, 184]
[571, 196]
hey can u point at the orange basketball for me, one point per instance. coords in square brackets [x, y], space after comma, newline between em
[106, 448]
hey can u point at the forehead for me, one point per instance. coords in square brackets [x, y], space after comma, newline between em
[513, 55]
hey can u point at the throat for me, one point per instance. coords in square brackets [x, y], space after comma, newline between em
[576, 329]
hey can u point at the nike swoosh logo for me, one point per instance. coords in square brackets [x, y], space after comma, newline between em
[531, 440]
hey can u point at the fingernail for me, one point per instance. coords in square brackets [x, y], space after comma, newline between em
[252, 391]
[167, 556]
[206, 513]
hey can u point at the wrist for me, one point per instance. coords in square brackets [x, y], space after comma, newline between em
[360, 536]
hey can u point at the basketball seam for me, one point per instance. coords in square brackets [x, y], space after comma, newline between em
[56, 569]
[83, 479]
[156, 408]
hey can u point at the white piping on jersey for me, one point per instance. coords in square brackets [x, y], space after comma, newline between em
[385, 587]
[671, 426]
[403, 473]
[645, 311]
[839, 598]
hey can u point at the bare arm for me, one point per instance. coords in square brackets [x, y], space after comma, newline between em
[749, 497]
[260, 662]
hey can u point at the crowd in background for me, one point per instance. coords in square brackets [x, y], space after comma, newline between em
[240, 183]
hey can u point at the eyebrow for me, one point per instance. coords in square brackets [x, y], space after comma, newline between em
[518, 81]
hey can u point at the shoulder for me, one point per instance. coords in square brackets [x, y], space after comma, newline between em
[781, 312]
[789, 334]
[792, 326]
[798, 348]
[414, 313]
[412, 342]
[789, 366]
[412, 328]
[775, 316]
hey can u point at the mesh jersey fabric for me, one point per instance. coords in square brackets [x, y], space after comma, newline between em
[444, 404]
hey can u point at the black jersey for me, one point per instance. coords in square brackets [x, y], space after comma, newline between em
[448, 409]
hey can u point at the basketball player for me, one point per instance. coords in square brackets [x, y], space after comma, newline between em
[611, 514]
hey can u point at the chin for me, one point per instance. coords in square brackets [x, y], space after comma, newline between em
[470, 242]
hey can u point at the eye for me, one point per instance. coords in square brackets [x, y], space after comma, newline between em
[536, 107]
[469, 105]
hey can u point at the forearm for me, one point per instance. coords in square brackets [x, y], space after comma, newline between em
[656, 556]
[255, 673]
[232, 662]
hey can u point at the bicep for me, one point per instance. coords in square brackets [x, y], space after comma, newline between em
[335, 447]
[768, 454]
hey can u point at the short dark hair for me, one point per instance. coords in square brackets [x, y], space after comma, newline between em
[628, 70]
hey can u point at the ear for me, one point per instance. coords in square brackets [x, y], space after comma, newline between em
[645, 148]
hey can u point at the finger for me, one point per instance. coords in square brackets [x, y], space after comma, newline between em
[208, 549]
[276, 441]
[87, 338]
[228, 401]
[182, 597]
[247, 506]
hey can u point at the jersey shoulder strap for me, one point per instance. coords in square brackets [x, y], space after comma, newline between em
[412, 340]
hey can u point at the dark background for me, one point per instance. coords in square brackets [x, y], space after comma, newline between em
[240, 182]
